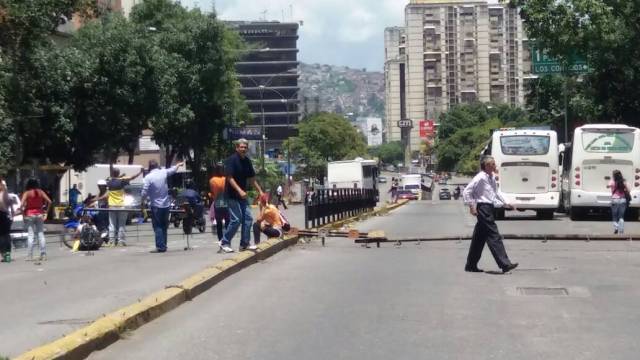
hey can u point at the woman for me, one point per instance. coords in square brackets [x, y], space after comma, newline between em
[6, 218]
[219, 210]
[35, 207]
[618, 201]
[269, 222]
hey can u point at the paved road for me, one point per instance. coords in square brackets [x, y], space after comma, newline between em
[41, 302]
[413, 301]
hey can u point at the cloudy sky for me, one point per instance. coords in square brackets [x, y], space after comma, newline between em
[335, 32]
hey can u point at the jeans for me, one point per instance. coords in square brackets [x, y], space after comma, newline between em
[5, 233]
[160, 222]
[239, 215]
[35, 227]
[222, 221]
[618, 208]
[117, 225]
[268, 230]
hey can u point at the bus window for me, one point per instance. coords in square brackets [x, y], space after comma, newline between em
[606, 141]
[524, 145]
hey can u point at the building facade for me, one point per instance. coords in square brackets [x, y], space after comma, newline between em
[268, 74]
[453, 52]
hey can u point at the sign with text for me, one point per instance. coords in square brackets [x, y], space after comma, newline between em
[427, 128]
[405, 123]
[544, 64]
[247, 132]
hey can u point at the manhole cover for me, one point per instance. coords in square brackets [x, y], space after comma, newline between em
[542, 291]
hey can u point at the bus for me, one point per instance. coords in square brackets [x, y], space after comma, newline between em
[597, 150]
[527, 165]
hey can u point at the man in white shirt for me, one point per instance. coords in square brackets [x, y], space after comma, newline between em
[480, 195]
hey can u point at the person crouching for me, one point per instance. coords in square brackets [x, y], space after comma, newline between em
[269, 222]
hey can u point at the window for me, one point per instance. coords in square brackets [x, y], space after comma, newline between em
[524, 145]
[607, 141]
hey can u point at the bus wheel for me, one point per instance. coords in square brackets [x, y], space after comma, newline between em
[499, 214]
[575, 213]
[544, 214]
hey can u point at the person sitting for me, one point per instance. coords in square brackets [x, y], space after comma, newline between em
[269, 222]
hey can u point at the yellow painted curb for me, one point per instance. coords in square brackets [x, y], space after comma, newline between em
[107, 329]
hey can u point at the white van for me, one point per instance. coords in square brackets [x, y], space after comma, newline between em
[87, 181]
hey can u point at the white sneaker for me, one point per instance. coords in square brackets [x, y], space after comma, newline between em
[227, 249]
[252, 247]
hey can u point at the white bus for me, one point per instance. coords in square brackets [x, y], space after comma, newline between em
[597, 150]
[527, 164]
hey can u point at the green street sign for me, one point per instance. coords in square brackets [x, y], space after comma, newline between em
[543, 64]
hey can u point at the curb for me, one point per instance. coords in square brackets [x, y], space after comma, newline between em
[108, 328]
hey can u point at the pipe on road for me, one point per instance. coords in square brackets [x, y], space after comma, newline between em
[543, 237]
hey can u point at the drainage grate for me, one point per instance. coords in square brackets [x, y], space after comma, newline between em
[542, 291]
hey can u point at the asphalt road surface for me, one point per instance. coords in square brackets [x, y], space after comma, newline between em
[567, 300]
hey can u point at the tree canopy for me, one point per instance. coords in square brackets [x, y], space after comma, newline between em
[606, 33]
[389, 153]
[325, 137]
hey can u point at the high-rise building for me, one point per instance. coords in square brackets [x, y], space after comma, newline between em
[453, 52]
[268, 75]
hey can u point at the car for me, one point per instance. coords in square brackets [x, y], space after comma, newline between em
[407, 194]
[133, 200]
[444, 194]
[382, 180]
[18, 233]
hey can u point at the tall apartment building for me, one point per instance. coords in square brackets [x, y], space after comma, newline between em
[452, 52]
[268, 75]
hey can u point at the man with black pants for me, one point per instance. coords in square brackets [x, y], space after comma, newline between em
[480, 195]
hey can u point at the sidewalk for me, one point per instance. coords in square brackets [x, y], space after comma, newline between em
[42, 302]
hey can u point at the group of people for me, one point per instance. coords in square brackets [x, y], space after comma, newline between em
[481, 195]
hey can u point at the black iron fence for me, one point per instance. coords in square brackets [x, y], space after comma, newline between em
[325, 206]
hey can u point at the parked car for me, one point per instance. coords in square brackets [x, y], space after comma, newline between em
[133, 200]
[444, 194]
[407, 194]
[18, 229]
[382, 180]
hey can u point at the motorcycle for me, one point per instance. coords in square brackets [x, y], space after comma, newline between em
[175, 217]
[91, 237]
[193, 217]
[456, 194]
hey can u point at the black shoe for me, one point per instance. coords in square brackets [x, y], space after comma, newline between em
[472, 269]
[615, 231]
[156, 251]
[509, 267]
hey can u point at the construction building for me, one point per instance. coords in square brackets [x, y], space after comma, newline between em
[452, 52]
[268, 74]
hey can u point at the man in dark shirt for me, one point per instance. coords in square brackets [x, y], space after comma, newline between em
[239, 172]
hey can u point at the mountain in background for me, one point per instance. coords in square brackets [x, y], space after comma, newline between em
[342, 90]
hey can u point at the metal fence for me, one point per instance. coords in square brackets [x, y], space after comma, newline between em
[325, 206]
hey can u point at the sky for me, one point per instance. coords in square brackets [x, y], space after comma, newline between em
[334, 32]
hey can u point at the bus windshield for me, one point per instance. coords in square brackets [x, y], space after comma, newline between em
[525, 145]
[607, 141]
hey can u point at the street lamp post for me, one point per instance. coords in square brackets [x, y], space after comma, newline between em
[264, 135]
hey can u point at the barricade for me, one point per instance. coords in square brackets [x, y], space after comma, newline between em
[329, 205]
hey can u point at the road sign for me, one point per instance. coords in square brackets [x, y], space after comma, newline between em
[543, 64]
[405, 123]
[247, 132]
[427, 128]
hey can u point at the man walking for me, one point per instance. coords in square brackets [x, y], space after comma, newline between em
[239, 172]
[480, 195]
[156, 189]
[280, 193]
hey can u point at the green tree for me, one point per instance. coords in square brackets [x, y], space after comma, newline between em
[461, 151]
[605, 32]
[389, 153]
[122, 91]
[195, 63]
[325, 137]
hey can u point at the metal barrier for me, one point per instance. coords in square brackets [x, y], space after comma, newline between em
[324, 206]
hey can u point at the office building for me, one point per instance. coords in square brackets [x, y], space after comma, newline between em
[268, 74]
[453, 52]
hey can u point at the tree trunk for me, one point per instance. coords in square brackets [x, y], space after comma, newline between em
[169, 155]
[132, 154]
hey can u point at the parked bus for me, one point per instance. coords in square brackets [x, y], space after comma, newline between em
[527, 164]
[353, 174]
[597, 150]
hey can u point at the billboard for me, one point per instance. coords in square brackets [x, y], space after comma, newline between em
[373, 131]
[427, 128]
